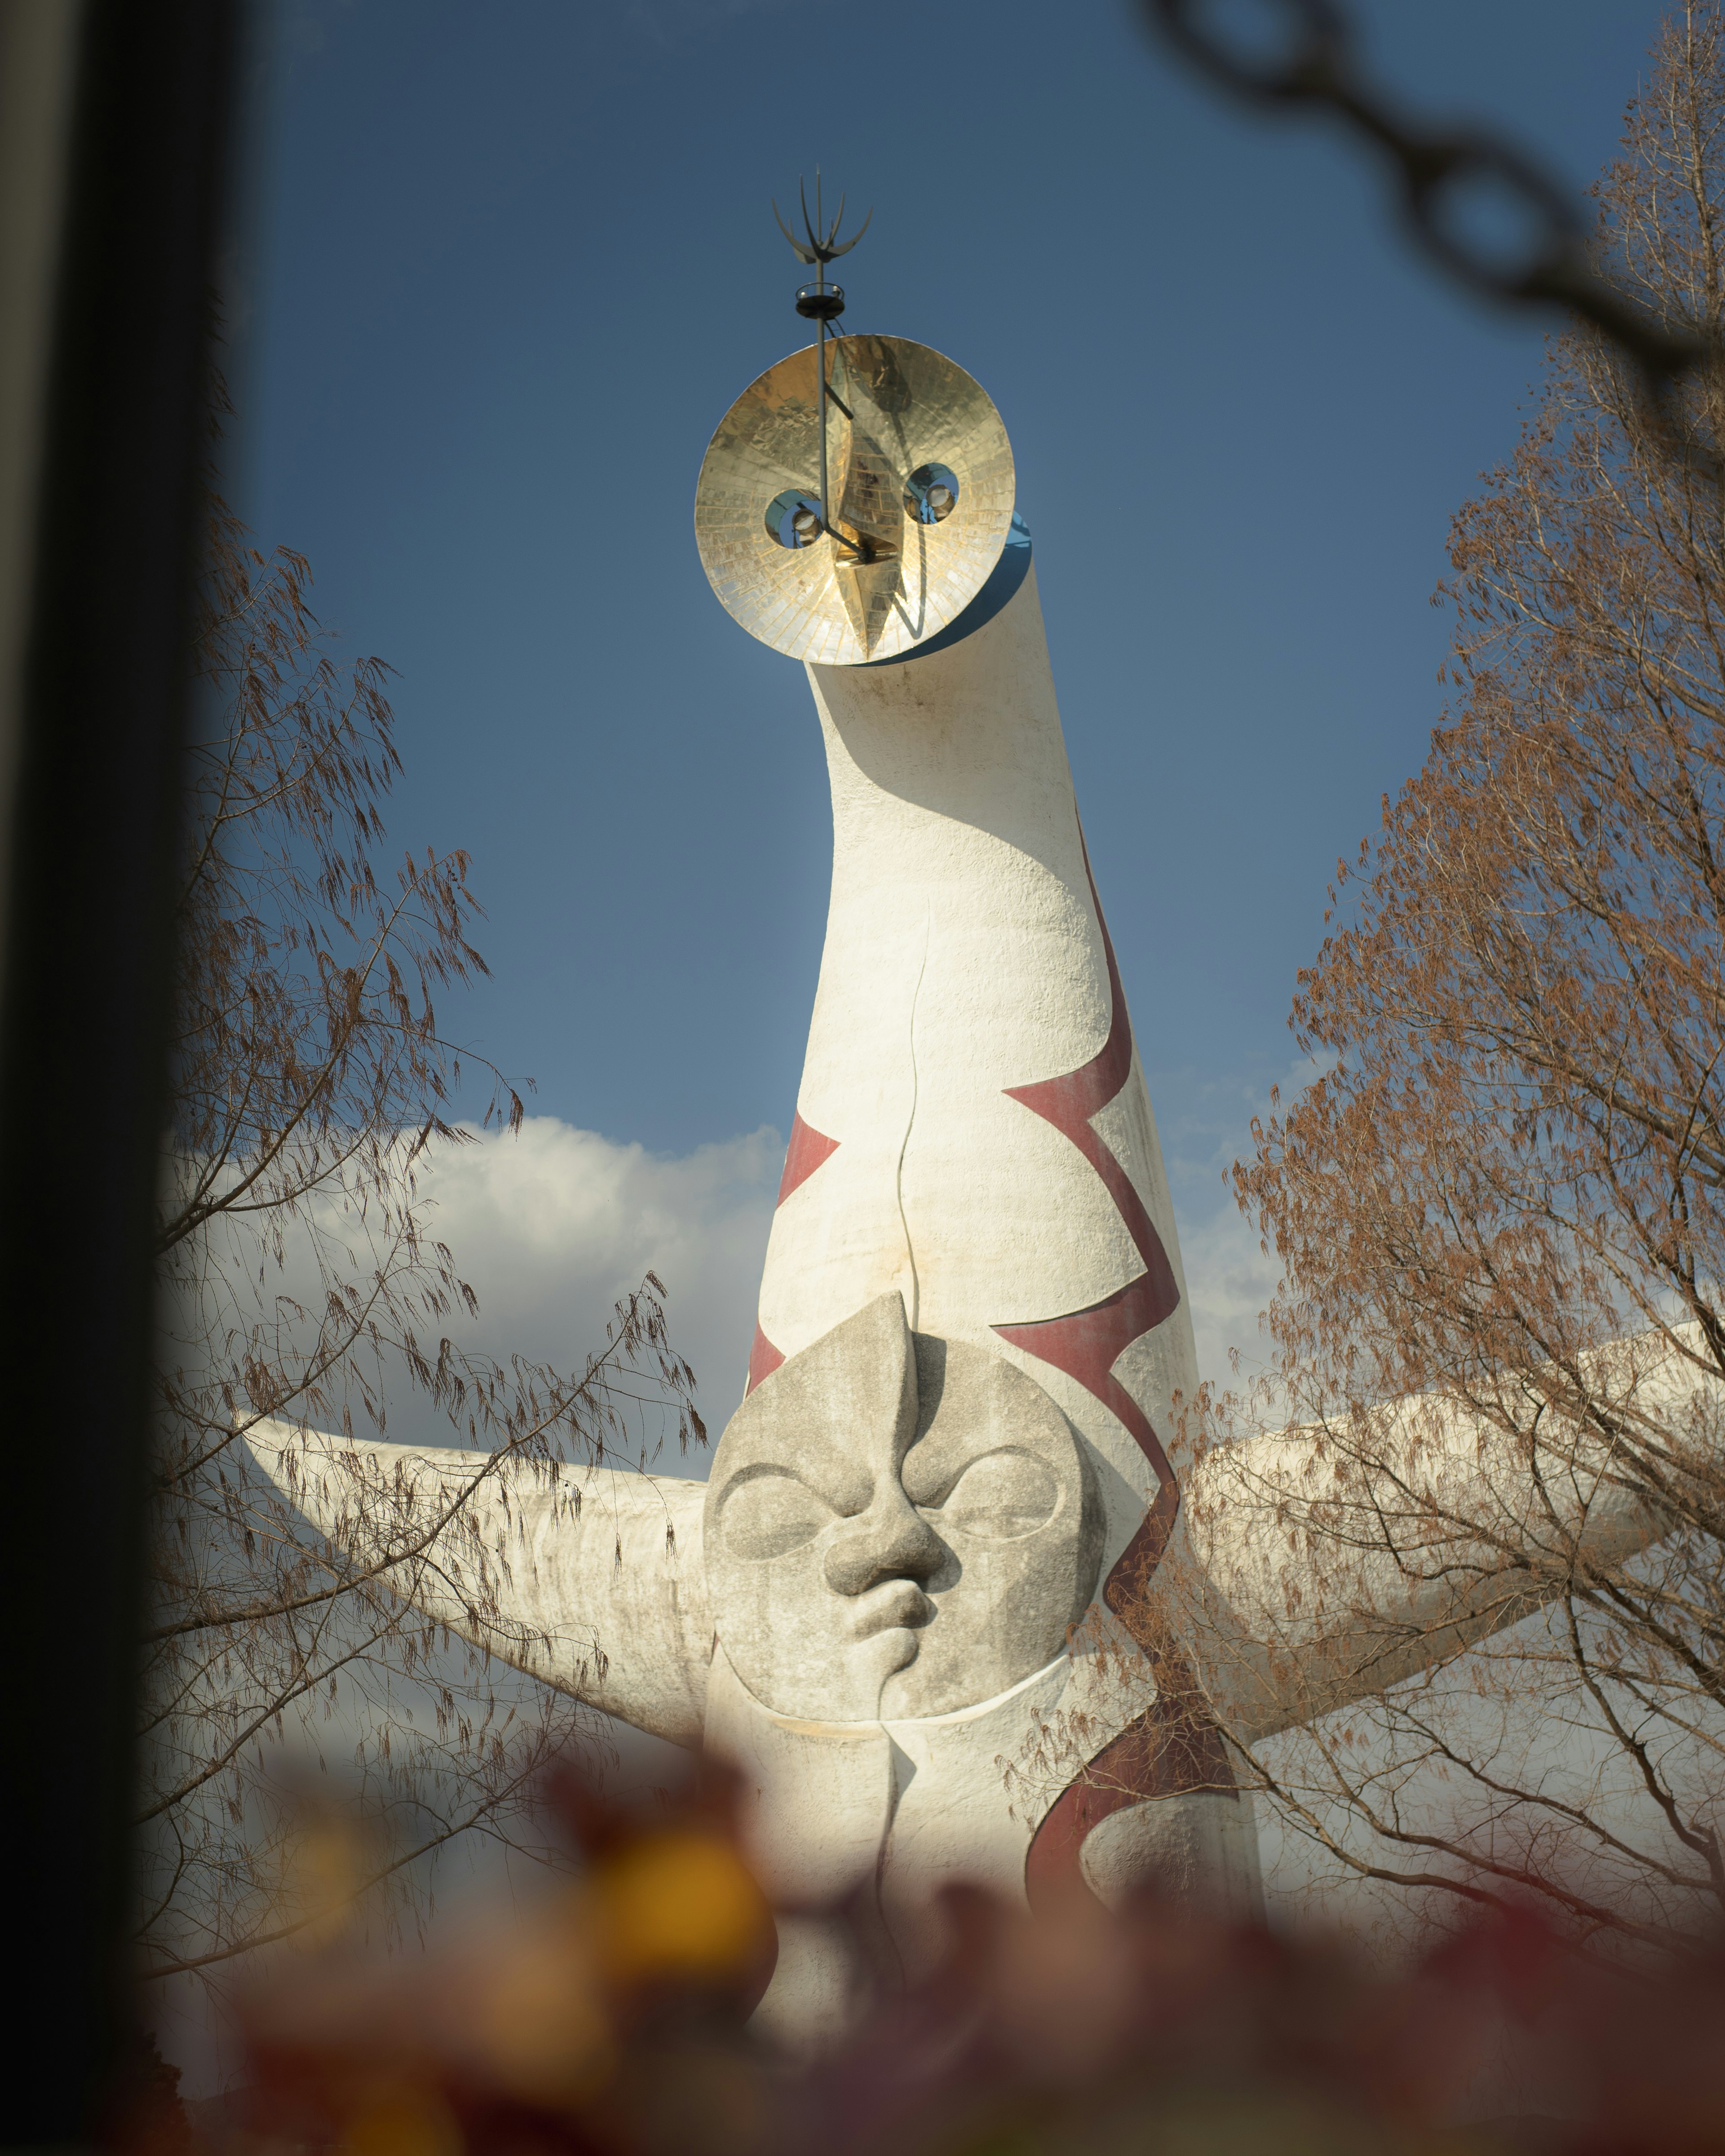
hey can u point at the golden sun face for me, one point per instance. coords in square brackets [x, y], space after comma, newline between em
[920, 482]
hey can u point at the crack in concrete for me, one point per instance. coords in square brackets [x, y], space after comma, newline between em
[903, 1220]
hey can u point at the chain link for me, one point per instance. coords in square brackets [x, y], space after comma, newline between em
[1317, 67]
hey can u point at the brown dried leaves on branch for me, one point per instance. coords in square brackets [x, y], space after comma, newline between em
[301, 1282]
[1518, 1152]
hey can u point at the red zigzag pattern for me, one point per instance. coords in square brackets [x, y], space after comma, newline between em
[807, 1148]
[1161, 1753]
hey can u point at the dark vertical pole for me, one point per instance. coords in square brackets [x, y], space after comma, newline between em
[820, 360]
[87, 859]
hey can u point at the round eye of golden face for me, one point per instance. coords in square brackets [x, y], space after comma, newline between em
[770, 1513]
[1000, 1498]
[932, 493]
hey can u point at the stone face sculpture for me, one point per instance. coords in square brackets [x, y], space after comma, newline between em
[898, 1527]
[943, 1532]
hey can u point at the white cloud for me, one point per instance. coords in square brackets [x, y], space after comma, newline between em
[551, 1226]
[1228, 1281]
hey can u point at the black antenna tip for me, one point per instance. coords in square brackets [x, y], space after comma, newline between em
[821, 243]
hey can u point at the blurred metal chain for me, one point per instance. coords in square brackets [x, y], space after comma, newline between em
[1318, 67]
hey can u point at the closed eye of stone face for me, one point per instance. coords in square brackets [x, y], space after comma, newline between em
[1001, 1497]
[769, 1511]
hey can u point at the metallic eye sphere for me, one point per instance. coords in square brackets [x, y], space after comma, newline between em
[932, 493]
[792, 519]
[921, 480]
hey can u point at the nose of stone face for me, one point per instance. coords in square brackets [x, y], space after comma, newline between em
[891, 1541]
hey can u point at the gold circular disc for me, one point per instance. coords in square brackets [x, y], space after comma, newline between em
[893, 408]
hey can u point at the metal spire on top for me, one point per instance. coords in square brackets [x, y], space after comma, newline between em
[821, 247]
[822, 303]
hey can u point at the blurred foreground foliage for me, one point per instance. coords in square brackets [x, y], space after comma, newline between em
[613, 2019]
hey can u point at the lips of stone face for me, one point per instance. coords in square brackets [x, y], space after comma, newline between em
[896, 1526]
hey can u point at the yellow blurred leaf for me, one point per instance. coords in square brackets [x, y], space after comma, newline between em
[677, 1904]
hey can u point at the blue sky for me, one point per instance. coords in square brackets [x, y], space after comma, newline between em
[511, 261]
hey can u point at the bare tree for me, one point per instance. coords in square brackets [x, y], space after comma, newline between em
[1516, 1155]
[302, 1283]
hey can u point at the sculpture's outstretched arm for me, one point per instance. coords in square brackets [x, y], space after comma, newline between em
[1320, 1566]
[589, 1579]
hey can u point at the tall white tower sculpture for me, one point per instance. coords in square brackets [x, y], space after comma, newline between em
[942, 1598]
[973, 1138]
